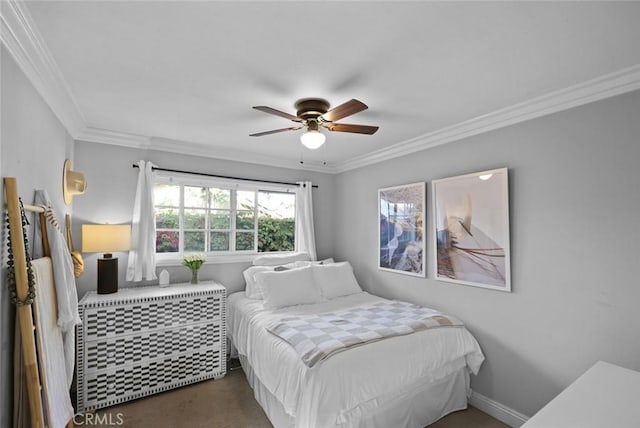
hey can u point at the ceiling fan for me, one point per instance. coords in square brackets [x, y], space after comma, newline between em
[313, 114]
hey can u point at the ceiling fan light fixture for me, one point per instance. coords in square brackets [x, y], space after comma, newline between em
[312, 139]
[314, 113]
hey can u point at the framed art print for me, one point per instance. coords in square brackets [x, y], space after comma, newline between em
[401, 230]
[471, 229]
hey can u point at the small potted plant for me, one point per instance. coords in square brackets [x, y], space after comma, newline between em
[193, 262]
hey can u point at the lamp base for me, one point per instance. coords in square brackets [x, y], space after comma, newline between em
[107, 275]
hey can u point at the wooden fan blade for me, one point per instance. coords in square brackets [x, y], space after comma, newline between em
[343, 110]
[356, 129]
[278, 113]
[275, 131]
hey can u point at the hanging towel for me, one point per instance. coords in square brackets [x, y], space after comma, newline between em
[142, 256]
[64, 280]
[51, 346]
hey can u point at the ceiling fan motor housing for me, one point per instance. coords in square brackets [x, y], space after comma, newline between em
[311, 108]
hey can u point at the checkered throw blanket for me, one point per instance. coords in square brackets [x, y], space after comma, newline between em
[316, 337]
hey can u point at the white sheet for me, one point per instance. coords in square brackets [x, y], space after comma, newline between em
[419, 409]
[341, 389]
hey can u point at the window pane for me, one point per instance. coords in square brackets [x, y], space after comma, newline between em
[219, 220]
[276, 221]
[219, 241]
[166, 194]
[245, 200]
[196, 197]
[167, 241]
[194, 219]
[220, 198]
[167, 218]
[194, 241]
[244, 241]
[245, 220]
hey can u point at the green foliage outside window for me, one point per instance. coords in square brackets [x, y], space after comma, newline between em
[219, 241]
[275, 234]
[245, 220]
[167, 218]
[194, 241]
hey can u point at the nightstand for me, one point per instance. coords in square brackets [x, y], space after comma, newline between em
[144, 340]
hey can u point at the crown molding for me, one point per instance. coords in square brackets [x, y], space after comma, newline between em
[124, 139]
[114, 138]
[609, 85]
[22, 39]
[24, 42]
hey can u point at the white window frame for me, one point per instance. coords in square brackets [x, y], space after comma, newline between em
[232, 255]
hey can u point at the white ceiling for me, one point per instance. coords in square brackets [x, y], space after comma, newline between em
[187, 73]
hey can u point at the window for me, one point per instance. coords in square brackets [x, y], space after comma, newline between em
[221, 217]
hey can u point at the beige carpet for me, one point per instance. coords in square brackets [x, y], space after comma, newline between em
[226, 403]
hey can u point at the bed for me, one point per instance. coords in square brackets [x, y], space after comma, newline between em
[408, 380]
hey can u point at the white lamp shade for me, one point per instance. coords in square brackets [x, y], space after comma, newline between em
[312, 139]
[105, 238]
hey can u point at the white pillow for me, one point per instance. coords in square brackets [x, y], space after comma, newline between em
[288, 288]
[280, 259]
[335, 279]
[252, 290]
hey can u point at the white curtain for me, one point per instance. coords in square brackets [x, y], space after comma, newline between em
[305, 236]
[142, 256]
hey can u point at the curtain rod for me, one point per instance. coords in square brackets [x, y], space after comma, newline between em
[155, 168]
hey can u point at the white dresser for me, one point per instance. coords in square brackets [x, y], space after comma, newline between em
[605, 396]
[144, 340]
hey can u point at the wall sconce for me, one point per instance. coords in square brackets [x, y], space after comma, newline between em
[73, 183]
[106, 238]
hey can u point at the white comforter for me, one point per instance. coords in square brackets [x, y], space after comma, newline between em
[351, 383]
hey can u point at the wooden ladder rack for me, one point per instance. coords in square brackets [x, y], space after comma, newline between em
[24, 313]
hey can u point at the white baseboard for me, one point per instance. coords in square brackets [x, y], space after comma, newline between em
[497, 410]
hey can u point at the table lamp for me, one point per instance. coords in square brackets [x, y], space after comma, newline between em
[106, 238]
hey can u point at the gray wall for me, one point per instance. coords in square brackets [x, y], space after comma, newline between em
[575, 238]
[575, 247]
[111, 192]
[34, 145]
